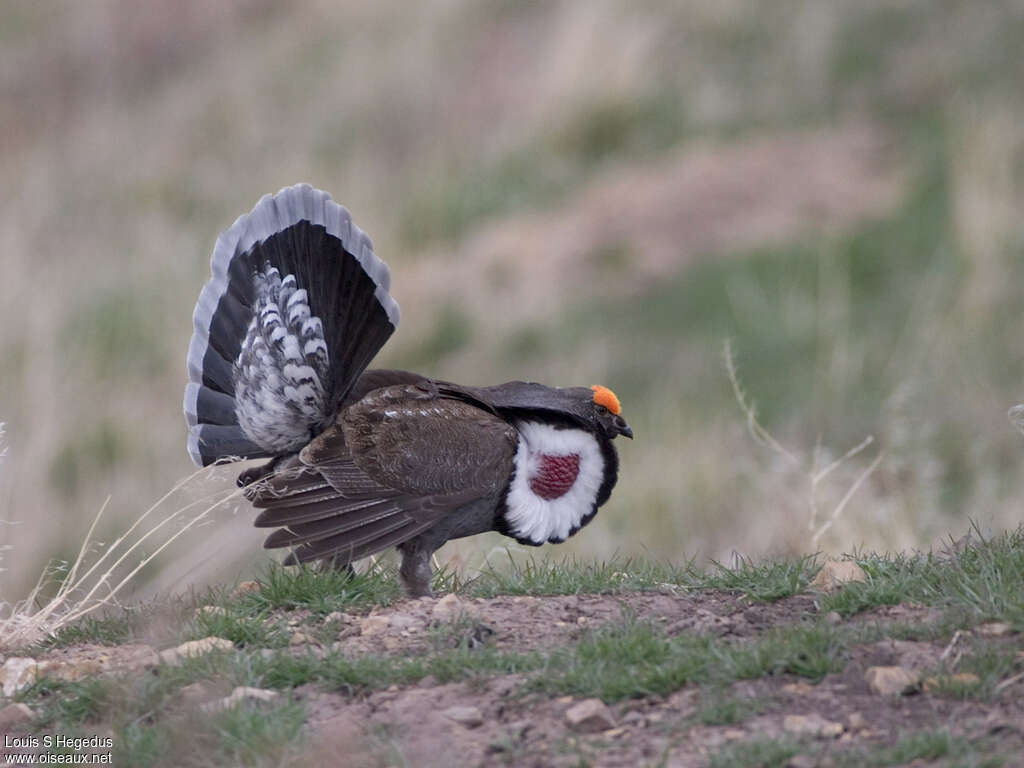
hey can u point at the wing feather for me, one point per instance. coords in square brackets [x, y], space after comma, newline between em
[392, 465]
[414, 439]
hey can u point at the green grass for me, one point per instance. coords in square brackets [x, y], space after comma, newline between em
[256, 630]
[760, 753]
[925, 745]
[336, 671]
[252, 735]
[69, 703]
[633, 659]
[990, 660]
[103, 630]
[764, 581]
[146, 623]
[984, 582]
[572, 576]
[933, 747]
[267, 735]
[321, 591]
[761, 581]
[718, 707]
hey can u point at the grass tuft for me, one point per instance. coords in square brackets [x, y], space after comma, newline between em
[319, 590]
[982, 581]
[764, 581]
[633, 659]
[571, 576]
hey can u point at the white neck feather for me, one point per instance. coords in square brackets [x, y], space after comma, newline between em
[537, 519]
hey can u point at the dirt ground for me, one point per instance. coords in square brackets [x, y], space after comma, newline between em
[500, 721]
[528, 730]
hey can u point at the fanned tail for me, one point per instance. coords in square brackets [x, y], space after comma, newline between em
[297, 307]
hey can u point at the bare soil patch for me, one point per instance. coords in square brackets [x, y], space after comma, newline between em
[503, 720]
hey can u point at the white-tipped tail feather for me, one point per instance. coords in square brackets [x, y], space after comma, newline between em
[284, 326]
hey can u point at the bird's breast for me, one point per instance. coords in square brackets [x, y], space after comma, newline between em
[554, 488]
[554, 475]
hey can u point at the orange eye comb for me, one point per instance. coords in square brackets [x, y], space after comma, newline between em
[604, 396]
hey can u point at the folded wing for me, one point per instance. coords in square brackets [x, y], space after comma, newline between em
[391, 466]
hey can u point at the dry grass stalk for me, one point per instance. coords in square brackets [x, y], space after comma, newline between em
[814, 475]
[88, 587]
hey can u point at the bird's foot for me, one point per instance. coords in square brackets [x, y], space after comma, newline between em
[414, 573]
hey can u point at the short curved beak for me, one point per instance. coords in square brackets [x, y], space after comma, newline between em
[622, 428]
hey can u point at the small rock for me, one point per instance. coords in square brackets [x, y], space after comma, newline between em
[245, 588]
[634, 718]
[890, 681]
[835, 573]
[71, 671]
[833, 618]
[802, 761]
[211, 610]
[174, 656]
[197, 693]
[374, 625]
[856, 722]
[993, 629]
[338, 617]
[240, 694]
[799, 688]
[734, 734]
[301, 638]
[518, 728]
[467, 716]
[811, 725]
[684, 702]
[744, 689]
[14, 716]
[18, 672]
[404, 621]
[505, 685]
[450, 607]
[427, 682]
[137, 656]
[964, 679]
[590, 716]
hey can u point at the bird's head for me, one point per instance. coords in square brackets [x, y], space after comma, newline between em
[607, 413]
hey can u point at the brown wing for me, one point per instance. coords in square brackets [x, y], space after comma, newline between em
[391, 466]
[414, 439]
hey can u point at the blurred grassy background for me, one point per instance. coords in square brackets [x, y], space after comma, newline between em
[569, 192]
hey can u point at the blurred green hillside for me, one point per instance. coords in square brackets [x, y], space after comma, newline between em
[569, 192]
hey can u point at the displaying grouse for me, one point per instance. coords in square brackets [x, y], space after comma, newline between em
[362, 460]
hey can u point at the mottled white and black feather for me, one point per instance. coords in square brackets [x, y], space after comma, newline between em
[296, 308]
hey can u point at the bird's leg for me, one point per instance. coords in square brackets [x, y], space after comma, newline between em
[337, 563]
[414, 572]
